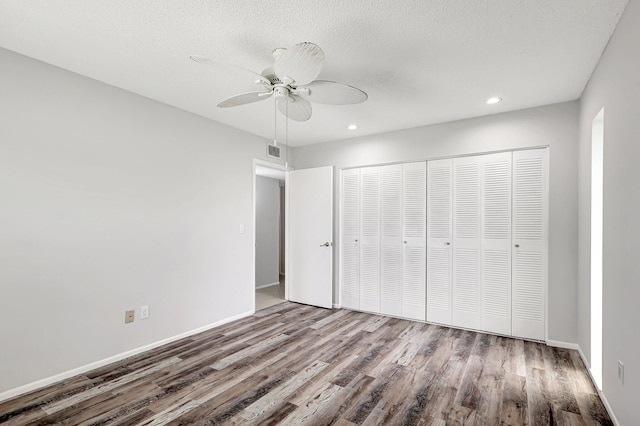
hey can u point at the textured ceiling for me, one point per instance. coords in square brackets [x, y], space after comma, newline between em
[420, 61]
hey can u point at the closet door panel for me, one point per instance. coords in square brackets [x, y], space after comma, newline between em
[466, 277]
[370, 239]
[414, 202]
[496, 243]
[439, 221]
[350, 250]
[391, 240]
[530, 236]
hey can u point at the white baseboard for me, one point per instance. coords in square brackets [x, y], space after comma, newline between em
[336, 306]
[20, 390]
[267, 285]
[563, 345]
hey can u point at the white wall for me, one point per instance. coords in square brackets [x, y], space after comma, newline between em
[615, 85]
[555, 126]
[267, 231]
[110, 201]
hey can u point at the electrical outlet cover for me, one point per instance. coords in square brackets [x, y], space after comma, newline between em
[129, 316]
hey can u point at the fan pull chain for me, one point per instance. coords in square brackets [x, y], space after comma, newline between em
[275, 120]
[286, 132]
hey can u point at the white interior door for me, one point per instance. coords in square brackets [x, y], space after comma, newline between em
[370, 239]
[439, 218]
[391, 240]
[530, 212]
[349, 239]
[311, 236]
[414, 224]
[496, 243]
[466, 275]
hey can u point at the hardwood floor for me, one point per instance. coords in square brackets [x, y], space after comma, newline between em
[295, 364]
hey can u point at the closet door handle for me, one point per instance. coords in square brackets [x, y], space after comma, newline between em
[448, 243]
[517, 245]
[327, 244]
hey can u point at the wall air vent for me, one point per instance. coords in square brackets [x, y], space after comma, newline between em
[273, 151]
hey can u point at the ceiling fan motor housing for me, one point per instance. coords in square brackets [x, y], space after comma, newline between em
[281, 91]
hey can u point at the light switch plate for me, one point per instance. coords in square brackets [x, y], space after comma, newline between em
[144, 312]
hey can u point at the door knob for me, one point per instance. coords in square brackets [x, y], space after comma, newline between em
[448, 243]
[517, 245]
[327, 244]
[405, 242]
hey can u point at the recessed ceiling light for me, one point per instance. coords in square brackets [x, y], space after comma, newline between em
[352, 126]
[493, 100]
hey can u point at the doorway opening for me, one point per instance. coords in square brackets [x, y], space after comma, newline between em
[597, 209]
[269, 225]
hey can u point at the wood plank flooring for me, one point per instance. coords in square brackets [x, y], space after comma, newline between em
[294, 364]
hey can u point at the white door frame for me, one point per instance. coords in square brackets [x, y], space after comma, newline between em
[280, 167]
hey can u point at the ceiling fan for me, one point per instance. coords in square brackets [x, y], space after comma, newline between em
[292, 82]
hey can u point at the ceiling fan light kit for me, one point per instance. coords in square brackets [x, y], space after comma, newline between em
[292, 82]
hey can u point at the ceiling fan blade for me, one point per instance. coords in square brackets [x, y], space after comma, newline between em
[295, 108]
[299, 64]
[332, 93]
[243, 99]
[230, 69]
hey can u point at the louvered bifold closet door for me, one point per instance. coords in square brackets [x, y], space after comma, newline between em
[439, 195]
[496, 243]
[391, 240]
[466, 278]
[370, 239]
[350, 249]
[530, 235]
[414, 202]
